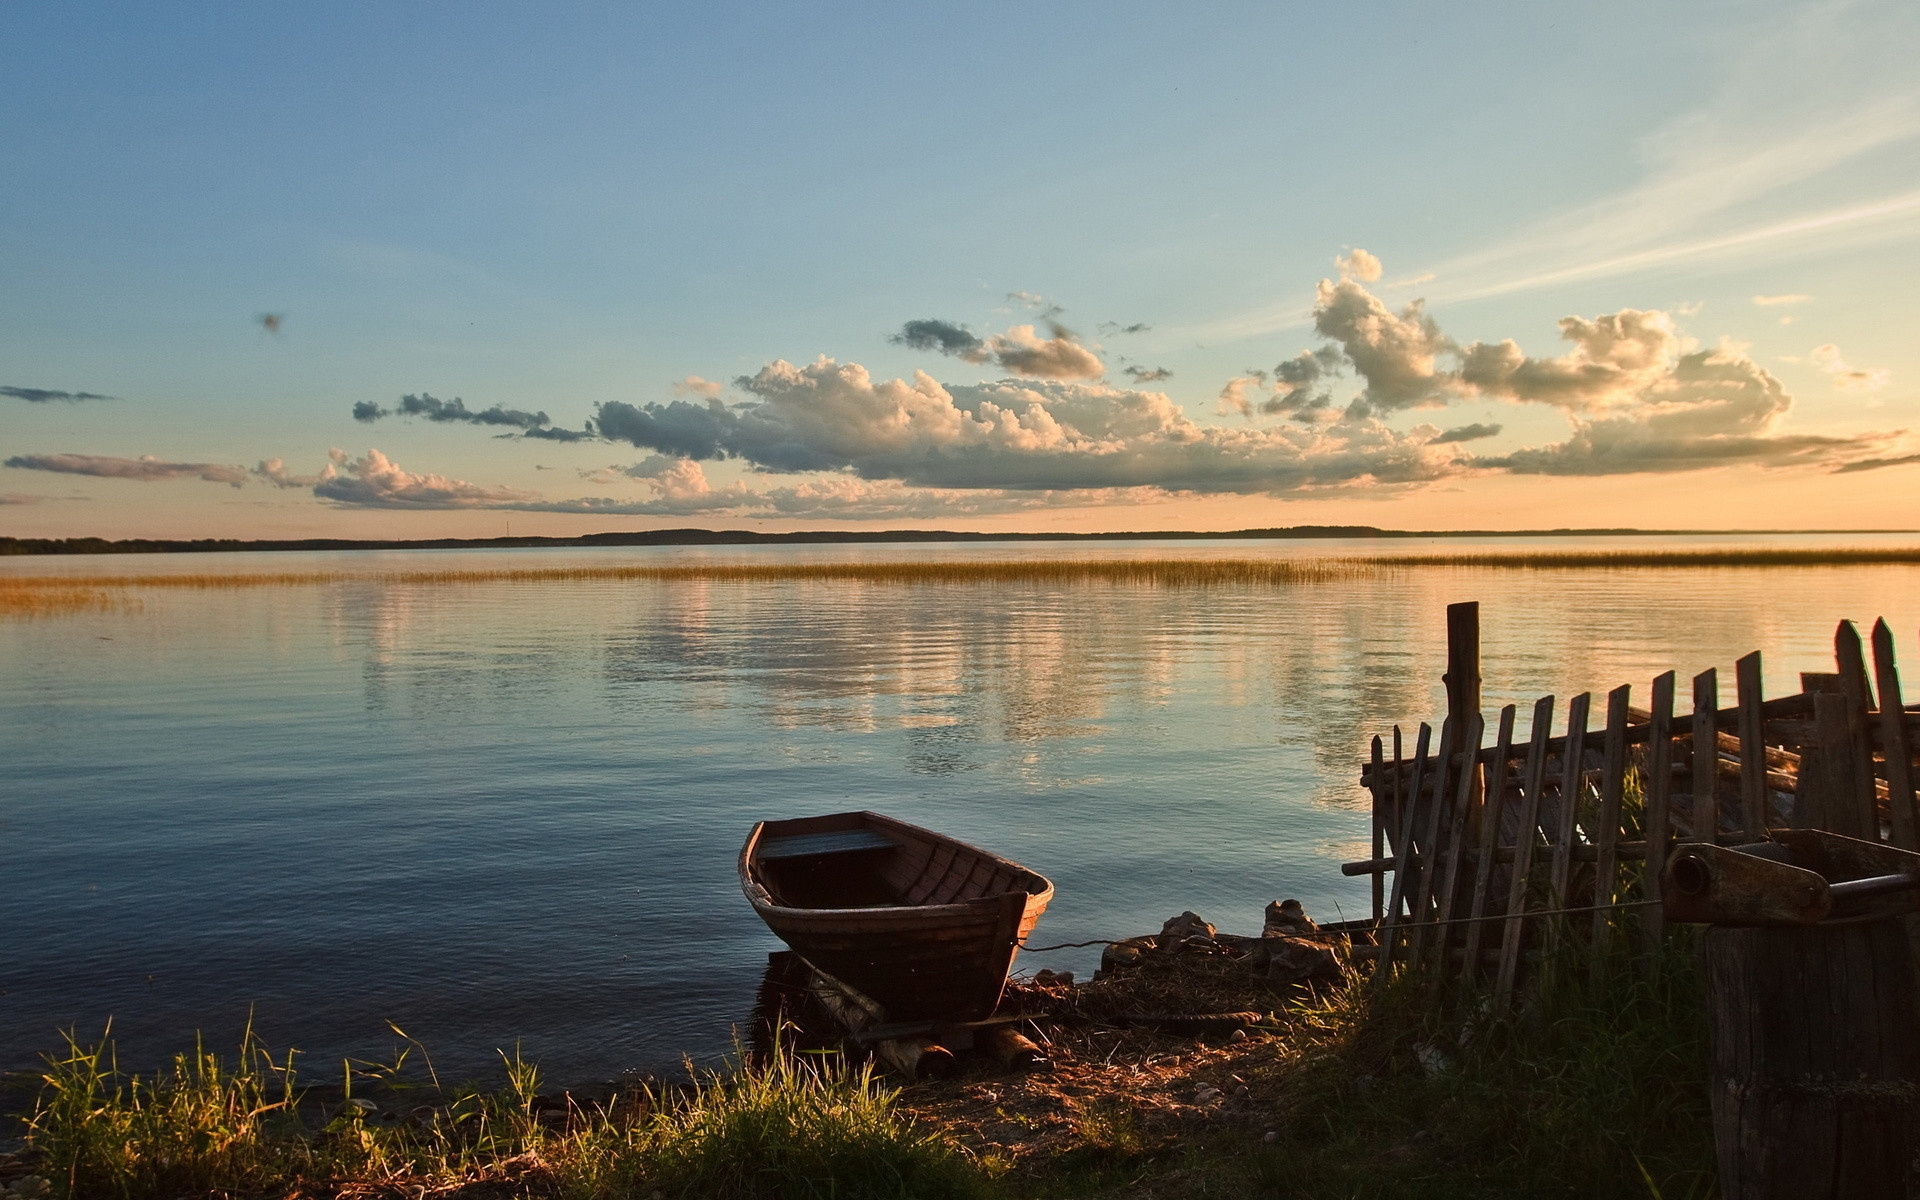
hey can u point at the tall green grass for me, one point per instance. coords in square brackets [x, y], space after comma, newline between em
[790, 1128]
[1596, 1088]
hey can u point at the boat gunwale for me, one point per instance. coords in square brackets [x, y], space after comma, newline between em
[762, 899]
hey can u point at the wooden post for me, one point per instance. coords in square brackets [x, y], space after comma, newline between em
[1753, 748]
[1659, 828]
[1895, 746]
[1463, 661]
[1705, 817]
[1463, 674]
[1816, 1061]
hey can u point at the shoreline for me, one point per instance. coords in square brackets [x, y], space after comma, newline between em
[13, 546]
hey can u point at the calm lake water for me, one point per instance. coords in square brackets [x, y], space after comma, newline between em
[509, 812]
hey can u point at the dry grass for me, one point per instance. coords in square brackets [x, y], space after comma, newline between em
[33, 596]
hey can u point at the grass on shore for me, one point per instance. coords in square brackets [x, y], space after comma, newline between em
[206, 1127]
[52, 595]
[1597, 1090]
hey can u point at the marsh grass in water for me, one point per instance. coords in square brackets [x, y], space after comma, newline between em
[52, 595]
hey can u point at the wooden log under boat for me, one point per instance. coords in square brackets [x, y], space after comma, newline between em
[922, 923]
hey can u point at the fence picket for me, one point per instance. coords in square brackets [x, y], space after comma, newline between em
[1613, 781]
[1705, 818]
[1853, 686]
[1403, 860]
[1657, 820]
[1753, 748]
[1573, 781]
[1454, 844]
[1536, 779]
[1491, 815]
[1430, 844]
[1895, 744]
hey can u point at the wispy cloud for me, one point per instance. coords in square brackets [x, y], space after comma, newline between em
[145, 469]
[530, 424]
[1775, 301]
[1846, 377]
[50, 396]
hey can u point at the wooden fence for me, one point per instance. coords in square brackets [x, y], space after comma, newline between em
[1485, 854]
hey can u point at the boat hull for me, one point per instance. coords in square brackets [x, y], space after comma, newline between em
[942, 947]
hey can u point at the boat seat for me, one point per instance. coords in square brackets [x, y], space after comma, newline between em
[811, 845]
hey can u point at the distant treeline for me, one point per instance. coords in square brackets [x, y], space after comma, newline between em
[748, 537]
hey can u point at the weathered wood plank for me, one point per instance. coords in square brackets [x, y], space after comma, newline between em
[1389, 928]
[1704, 820]
[1613, 785]
[1659, 791]
[1573, 782]
[1454, 843]
[1377, 791]
[1421, 918]
[1815, 1061]
[1895, 745]
[1753, 753]
[1513, 928]
[1490, 819]
[1848, 656]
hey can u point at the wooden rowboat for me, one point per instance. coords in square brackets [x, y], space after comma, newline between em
[922, 923]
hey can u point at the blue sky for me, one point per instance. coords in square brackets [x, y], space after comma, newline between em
[558, 209]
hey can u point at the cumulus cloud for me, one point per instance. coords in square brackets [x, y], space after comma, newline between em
[274, 471]
[146, 468]
[375, 481]
[1019, 351]
[529, 424]
[693, 385]
[49, 396]
[1614, 360]
[1771, 301]
[1359, 265]
[1140, 374]
[1396, 354]
[1466, 433]
[1059, 356]
[1708, 408]
[1033, 436]
[1847, 378]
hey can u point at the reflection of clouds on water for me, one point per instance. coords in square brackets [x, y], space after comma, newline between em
[952, 678]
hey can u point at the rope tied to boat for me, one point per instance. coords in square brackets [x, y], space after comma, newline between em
[1398, 927]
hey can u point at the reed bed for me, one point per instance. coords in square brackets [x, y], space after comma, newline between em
[57, 595]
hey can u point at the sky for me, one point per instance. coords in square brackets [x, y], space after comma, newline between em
[465, 270]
